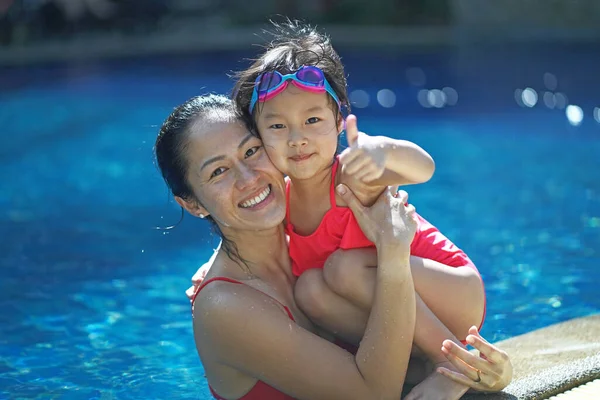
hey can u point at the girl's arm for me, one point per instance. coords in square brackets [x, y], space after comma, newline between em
[405, 163]
[383, 161]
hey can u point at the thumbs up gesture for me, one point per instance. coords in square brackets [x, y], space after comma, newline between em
[365, 157]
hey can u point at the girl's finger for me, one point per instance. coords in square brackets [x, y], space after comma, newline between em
[368, 173]
[348, 156]
[358, 165]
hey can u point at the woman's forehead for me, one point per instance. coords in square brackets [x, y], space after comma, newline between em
[209, 138]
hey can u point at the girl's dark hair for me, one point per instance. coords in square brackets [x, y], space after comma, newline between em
[294, 45]
[172, 144]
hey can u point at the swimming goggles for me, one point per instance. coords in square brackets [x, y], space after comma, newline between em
[309, 78]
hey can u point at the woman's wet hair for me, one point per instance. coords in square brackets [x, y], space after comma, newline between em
[293, 45]
[172, 144]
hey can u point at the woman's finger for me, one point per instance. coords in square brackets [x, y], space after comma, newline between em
[462, 367]
[470, 362]
[460, 378]
[190, 292]
[350, 199]
[402, 196]
[410, 210]
[489, 351]
[451, 348]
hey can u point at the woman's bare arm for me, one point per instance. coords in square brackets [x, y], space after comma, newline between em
[248, 331]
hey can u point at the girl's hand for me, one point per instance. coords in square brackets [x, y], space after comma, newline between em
[365, 157]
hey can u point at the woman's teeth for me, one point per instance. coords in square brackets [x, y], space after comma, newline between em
[258, 199]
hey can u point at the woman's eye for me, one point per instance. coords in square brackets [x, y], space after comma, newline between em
[217, 172]
[251, 151]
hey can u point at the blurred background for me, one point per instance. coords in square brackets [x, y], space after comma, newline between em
[504, 94]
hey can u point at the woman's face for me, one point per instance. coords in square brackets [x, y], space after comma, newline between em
[233, 178]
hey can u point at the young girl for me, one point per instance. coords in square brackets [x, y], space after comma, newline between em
[293, 96]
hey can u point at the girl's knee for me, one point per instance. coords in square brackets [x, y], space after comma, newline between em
[474, 287]
[341, 272]
[474, 300]
[310, 293]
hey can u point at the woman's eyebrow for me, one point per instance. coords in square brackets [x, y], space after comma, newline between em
[219, 158]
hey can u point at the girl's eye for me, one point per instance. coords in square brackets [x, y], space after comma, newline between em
[217, 172]
[251, 151]
[277, 126]
[313, 120]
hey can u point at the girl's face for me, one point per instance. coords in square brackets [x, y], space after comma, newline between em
[299, 131]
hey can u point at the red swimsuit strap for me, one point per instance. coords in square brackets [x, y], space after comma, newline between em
[224, 279]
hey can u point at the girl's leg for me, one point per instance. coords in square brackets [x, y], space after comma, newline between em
[344, 320]
[329, 310]
[455, 295]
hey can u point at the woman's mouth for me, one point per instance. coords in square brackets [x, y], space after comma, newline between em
[258, 199]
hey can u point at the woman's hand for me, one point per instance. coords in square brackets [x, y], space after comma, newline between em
[490, 372]
[197, 279]
[388, 221]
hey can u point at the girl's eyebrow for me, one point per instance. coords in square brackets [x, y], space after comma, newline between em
[315, 108]
[271, 115]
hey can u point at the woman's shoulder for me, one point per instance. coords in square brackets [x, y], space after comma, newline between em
[226, 314]
[224, 297]
[219, 300]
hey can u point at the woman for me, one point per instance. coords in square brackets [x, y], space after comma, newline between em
[251, 337]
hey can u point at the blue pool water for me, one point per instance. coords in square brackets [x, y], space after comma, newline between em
[92, 296]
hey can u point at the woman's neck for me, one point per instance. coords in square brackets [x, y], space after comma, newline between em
[265, 253]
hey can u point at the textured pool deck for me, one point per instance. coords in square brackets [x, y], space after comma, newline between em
[590, 390]
[553, 360]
